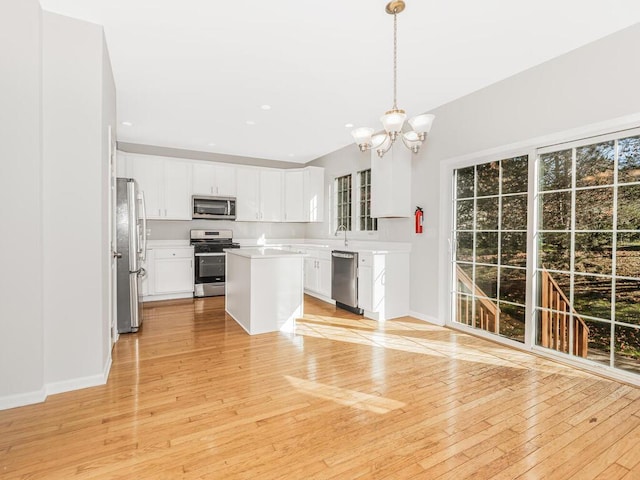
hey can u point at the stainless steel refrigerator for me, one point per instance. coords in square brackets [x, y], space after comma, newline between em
[131, 247]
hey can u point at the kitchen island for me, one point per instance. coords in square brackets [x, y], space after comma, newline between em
[264, 288]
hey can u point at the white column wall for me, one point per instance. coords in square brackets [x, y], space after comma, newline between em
[21, 303]
[75, 204]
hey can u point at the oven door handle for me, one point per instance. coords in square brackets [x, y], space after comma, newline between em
[222, 254]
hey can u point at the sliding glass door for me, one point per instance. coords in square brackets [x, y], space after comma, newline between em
[588, 250]
[490, 236]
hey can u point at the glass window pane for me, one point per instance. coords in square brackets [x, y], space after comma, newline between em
[592, 296]
[487, 247]
[594, 209]
[554, 290]
[554, 251]
[595, 164]
[627, 348]
[513, 285]
[488, 179]
[628, 255]
[599, 341]
[512, 322]
[593, 253]
[486, 315]
[486, 281]
[553, 331]
[464, 278]
[515, 172]
[464, 309]
[465, 178]
[555, 170]
[514, 249]
[464, 246]
[487, 213]
[628, 301]
[629, 207]
[555, 211]
[629, 160]
[514, 212]
[464, 214]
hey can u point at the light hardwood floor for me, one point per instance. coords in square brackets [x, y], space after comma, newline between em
[193, 396]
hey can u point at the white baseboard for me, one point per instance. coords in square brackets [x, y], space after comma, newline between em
[22, 399]
[320, 297]
[426, 318]
[78, 383]
[168, 296]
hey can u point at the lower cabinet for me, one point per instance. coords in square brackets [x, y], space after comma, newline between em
[383, 284]
[169, 273]
[317, 273]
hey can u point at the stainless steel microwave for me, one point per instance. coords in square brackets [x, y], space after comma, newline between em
[214, 208]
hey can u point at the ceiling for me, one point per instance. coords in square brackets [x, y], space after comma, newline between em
[190, 74]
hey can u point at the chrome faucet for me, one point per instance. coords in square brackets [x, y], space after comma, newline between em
[344, 229]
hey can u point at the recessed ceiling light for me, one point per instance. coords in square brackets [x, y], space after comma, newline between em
[250, 122]
[266, 107]
[348, 125]
[211, 144]
[291, 155]
[127, 124]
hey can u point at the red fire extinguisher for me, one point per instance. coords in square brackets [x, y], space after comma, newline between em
[419, 219]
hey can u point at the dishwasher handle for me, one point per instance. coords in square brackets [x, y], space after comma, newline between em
[343, 254]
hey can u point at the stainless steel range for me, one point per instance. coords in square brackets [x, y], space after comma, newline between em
[209, 271]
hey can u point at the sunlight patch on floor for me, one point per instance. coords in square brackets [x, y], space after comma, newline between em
[344, 396]
[456, 346]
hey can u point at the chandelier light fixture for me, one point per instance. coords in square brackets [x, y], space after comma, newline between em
[393, 120]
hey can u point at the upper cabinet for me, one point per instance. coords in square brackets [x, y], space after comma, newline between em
[215, 180]
[391, 183]
[259, 195]
[294, 196]
[304, 194]
[166, 184]
[262, 194]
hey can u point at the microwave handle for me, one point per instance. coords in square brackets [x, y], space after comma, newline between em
[228, 207]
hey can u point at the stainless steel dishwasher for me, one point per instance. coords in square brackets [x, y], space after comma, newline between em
[344, 280]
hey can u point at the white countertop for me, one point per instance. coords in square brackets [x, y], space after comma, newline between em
[360, 246]
[265, 252]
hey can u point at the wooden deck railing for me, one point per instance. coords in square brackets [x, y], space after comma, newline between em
[555, 324]
[486, 311]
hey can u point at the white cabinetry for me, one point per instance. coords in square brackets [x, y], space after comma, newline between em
[294, 196]
[317, 272]
[215, 180]
[391, 183]
[383, 284]
[259, 195]
[166, 184]
[304, 194]
[169, 273]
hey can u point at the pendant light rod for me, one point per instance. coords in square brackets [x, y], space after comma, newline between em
[393, 120]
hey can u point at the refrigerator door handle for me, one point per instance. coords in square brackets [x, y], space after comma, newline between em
[144, 227]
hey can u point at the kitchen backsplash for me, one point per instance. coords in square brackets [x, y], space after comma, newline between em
[179, 230]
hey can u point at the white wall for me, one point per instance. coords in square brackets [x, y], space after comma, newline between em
[21, 304]
[75, 154]
[109, 122]
[593, 84]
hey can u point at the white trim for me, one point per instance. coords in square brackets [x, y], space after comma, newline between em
[595, 129]
[426, 318]
[39, 396]
[319, 297]
[79, 383]
[22, 399]
[167, 296]
[591, 367]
